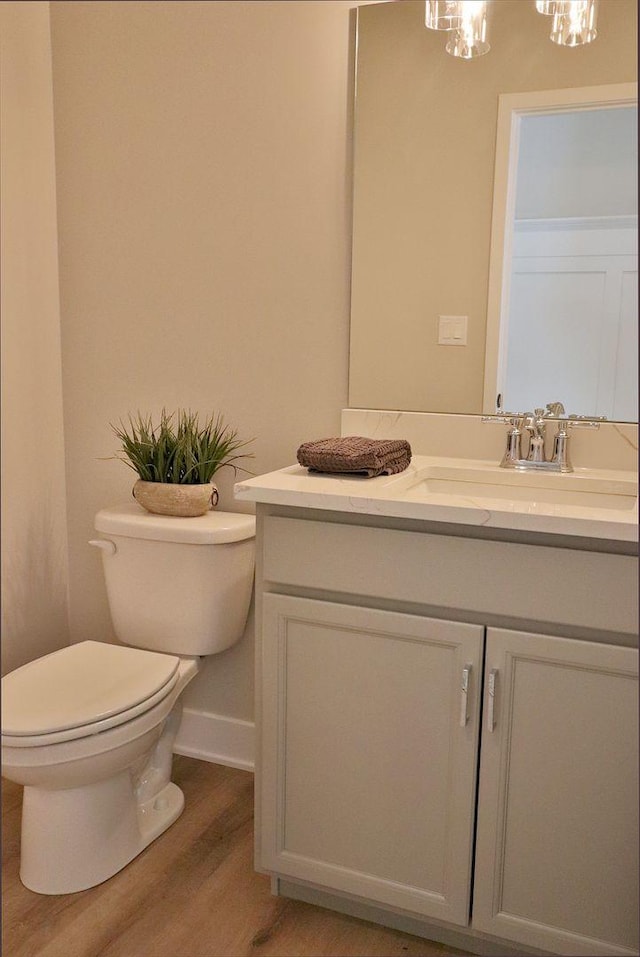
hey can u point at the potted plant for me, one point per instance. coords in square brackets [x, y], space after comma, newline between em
[177, 459]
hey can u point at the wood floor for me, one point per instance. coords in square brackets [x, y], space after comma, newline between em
[192, 893]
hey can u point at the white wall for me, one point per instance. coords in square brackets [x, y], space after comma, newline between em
[581, 163]
[204, 222]
[34, 540]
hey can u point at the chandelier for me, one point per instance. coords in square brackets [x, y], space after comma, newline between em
[573, 24]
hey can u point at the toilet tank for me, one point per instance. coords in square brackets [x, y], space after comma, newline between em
[180, 585]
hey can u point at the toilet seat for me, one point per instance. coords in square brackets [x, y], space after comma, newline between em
[81, 690]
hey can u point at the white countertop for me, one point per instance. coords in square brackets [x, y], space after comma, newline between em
[490, 497]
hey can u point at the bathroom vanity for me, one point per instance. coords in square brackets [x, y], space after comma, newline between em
[447, 701]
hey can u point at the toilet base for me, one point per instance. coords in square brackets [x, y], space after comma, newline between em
[159, 813]
[75, 838]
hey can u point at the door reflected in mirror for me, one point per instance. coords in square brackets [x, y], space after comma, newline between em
[425, 140]
[563, 285]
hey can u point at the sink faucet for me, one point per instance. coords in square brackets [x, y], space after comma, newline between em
[535, 423]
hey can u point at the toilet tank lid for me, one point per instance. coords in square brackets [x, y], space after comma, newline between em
[212, 528]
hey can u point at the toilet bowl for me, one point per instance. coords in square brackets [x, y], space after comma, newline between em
[89, 730]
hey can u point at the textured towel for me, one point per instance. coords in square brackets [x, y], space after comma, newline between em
[355, 454]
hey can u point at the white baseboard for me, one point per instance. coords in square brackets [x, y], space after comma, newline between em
[216, 738]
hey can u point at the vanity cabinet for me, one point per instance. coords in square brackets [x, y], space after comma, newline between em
[421, 757]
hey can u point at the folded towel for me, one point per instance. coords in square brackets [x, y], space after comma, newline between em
[355, 454]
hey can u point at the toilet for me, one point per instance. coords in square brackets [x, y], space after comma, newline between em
[89, 729]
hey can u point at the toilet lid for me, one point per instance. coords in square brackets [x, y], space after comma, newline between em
[83, 684]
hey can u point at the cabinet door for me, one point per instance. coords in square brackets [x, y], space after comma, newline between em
[369, 750]
[557, 843]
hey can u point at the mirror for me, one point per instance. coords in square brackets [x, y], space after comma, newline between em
[425, 131]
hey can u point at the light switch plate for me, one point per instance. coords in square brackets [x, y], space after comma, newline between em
[452, 330]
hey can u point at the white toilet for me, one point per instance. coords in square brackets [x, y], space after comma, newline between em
[89, 730]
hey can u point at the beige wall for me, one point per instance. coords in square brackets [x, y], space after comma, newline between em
[204, 222]
[34, 540]
[423, 187]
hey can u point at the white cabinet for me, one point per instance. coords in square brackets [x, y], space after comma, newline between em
[370, 738]
[381, 780]
[557, 840]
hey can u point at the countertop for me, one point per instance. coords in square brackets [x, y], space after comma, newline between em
[589, 503]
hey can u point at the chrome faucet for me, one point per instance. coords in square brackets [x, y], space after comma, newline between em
[535, 424]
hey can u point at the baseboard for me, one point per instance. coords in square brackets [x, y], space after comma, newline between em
[216, 738]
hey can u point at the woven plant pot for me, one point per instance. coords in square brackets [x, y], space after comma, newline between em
[172, 499]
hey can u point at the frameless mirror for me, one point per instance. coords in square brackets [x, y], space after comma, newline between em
[426, 157]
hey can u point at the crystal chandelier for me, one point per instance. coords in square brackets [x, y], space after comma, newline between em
[573, 24]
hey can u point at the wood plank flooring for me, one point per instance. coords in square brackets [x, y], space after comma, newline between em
[192, 893]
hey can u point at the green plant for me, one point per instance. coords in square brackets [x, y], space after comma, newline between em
[181, 451]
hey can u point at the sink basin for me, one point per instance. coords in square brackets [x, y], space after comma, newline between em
[496, 487]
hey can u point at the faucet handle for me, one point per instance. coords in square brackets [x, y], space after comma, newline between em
[586, 421]
[515, 419]
[535, 421]
[589, 418]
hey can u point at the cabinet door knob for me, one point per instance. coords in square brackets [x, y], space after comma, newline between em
[493, 676]
[464, 714]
